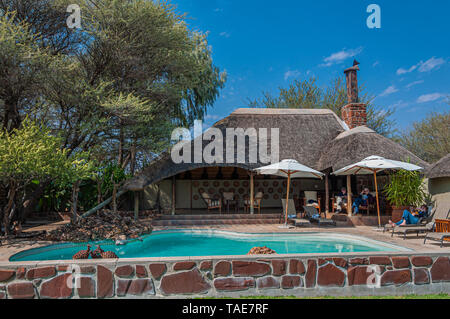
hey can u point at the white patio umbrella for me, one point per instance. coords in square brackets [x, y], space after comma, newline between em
[289, 169]
[373, 165]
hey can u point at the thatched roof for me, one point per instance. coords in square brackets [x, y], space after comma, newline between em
[353, 146]
[303, 134]
[317, 138]
[440, 168]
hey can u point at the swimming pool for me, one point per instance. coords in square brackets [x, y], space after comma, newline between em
[216, 243]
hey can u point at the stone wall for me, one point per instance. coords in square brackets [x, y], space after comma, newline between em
[241, 276]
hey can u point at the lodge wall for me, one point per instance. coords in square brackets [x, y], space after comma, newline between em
[299, 275]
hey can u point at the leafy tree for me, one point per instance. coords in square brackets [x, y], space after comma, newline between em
[29, 155]
[430, 138]
[308, 94]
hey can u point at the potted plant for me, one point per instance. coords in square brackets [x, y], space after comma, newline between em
[404, 190]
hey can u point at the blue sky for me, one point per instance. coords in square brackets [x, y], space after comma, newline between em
[264, 45]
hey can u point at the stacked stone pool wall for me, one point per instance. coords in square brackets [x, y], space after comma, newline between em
[282, 275]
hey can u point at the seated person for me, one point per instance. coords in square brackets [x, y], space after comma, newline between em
[412, 218]
[362, 200]
[341, 198]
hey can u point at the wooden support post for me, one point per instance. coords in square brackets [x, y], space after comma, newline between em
[327, 196]
[136, 206]
[174, 195]
[287, 199]
[349, 195]
[252, 195]
[378, 198]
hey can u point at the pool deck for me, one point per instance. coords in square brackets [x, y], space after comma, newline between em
[414, 243]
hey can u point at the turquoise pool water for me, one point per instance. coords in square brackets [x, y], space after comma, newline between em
[214, 243]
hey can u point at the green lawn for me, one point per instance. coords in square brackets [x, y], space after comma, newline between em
[439, 296]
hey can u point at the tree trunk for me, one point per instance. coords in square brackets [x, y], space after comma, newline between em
[114, 198]
[121, 145]
[99, 192]
[11, 116]
[8, 209]
[31, 200]
[75, 191]
[133, 159]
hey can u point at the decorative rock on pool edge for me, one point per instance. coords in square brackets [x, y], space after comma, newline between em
[228, 276]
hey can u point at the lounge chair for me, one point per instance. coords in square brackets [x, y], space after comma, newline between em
[298, 222]
[441, 237]
[310, 212]
[441, 212]
[211, 203]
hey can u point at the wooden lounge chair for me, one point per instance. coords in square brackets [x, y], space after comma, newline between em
[310, 212]
[298, 222]
[256, 204]
[211, 203]
[441, 212]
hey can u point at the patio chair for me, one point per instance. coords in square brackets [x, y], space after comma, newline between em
[312, 196]
[442, 233]
[371, 204]
[298, 222]
[334, 205]
[211, 203]
[441, 212]
[228, 200]
[311, 212]
[256, 203]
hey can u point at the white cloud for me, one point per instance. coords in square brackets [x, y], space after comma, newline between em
[375, 63]
[291, 74]
[341, 56]
[390, 90]
[224, 34]
[404, 71]
[414, 83]
[400, 104]
[427, 66]
[431, 64]
[429, 97]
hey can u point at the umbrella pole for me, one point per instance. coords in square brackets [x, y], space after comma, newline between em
[287, 199]
[378, 200]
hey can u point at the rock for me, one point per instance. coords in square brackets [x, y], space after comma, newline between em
[250, 268]
[401, 262]
[296, 267]
[57, 288]
[268, 282]
[157, 270]
[206, 265]
[396, 277]
[43, 272]
[341, 262]
[141, 272]
[234, 284]
[223, 268]
[6, 274]
[279, 267]
[135, 287]
[189, 282]
[380, 260]
[261, 251]
[421, 276]
[422, 261]
[124, 271]
[21, 290]
[291, 282]
[358, 261]
[440, 272]
[105, 282]
[310, 277]
[330, 275]
[86, 288]
[184, 265]
[359, 275]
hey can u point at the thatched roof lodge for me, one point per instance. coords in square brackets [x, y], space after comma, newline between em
[438, 176]
[317, 138]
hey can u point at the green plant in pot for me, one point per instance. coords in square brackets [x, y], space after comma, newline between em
[404, 190]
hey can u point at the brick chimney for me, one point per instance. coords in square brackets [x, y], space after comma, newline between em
[354, 113]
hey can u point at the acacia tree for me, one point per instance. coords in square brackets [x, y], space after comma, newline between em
[31, 154]
[430, 138]
[309, 95]
[118, 86]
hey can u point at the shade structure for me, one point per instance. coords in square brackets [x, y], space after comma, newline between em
[373, 165]
[290, 169]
